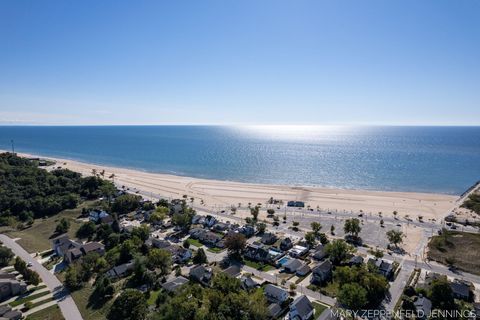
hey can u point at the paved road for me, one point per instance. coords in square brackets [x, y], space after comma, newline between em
[61, 294]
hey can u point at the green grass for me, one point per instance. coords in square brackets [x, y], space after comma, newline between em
[215, 250]
[39, 303]
[28, 298]
[319, 308]
[194, 242]
[258, 266]
[37, 237]
[153, 297]
[50, 313]
[89, 312]
[457, 248]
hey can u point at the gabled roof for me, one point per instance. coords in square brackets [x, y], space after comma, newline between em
[293, 264]
[460, 288]
[232, 271]
[274, 291]
[174, 284]
[92, 246]
[302, 305]
[324, 266]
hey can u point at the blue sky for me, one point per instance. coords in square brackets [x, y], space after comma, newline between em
[240, 62]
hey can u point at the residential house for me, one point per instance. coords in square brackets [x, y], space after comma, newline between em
[6, 275]
[62, 243]
[201, 274]
[460, 290]
[269, 238]
[355, 261]
[286, 244]
[322, 273]
[120, 271]
[275, 294]
[221, 226]
[11, 287]
[179, 254]
[301, 309]
[423, 306]
[298, 251]
[319, 252]
[78, 250]
[209, 238]
[303, 270]
[93, 246]
[174, 284]
[248, 283]
[6, 313]
[292, 265]
[107, 220]
[274, 310]
[384, 268]
[159, 243]
[96, 215]
[257, 252]
[232, 271]
[247, 230]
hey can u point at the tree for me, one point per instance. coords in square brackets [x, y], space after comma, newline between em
[142, 232]
[126, 203]
[395, 237]
[310, 238]
[20, 265]
[295, 225]
[395, 214]
[62, 226]
[323, 238]
[160, 259]
[254, 212]
[235, 243]
[261, 227]
[316, 227]
[441, 294]
[270, 212]
[86, 230]
[159, 214]
[352, 296]
[338, 250]
[332, 230]
[72, 278]
[104, 288]
[6, 255]
[352, 226]
[31, 277]
[200, 257]
[130, 305]
[186, 244]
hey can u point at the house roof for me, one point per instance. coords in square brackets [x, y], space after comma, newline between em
[92, 246]
[460, 288]
[274, 309]
[324, 266]
[274, 291]
[248, 282]
[303, 269]
[424, 304]
[302, 305]
[293, 264]
[4, 309]
[232, 271]
[174, 284]
[198, 272]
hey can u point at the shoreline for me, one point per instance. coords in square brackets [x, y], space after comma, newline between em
[224, 194]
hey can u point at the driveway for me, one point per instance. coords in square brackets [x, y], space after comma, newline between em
[60, 293]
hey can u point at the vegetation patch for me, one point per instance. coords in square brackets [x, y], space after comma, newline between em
[458, 249]
[319, 308]
[28, 298]
[50, 313]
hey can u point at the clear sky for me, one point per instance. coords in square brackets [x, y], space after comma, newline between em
[240, 62]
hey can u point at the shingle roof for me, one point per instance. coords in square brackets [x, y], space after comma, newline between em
[303, 305]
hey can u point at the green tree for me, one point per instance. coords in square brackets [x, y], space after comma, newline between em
[395, 237]
[352, 226]
[235, 243]
[316, 227]
[142, 232]
[255, 211]
[310, 238]
[130, 305]
[339, 251]
[6, 255]
[86, 230]
[200, 257]
[352, 296]
[72, 278]
[31, 277]
[62, 226]
[126, 203]
[20, 265]
[261, 227]
[159, 259]
[441, 294]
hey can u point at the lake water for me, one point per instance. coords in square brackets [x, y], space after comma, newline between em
[423, 159]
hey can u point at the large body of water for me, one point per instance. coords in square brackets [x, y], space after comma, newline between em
[422, 159]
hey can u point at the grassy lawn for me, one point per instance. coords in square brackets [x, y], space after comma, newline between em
[457, 248]
[28, 298]
[215, 250]
[34, 305]
[258, 266]
[194, 242]
[50, 313]
[88, 311]
[153, 297]
[330, 289]
[319, 308]
[37, 237]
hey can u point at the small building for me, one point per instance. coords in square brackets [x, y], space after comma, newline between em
[247, 230]
[301, 309]
[355, 261]
[174, 284]
[286, 244]
[232, 271]
[257, 252]
[423, 306]
[201, 274]
[96, 215]
[269, 238]
[221, 227]
[275, 294]
[296, 204]
[248, 283]
[460, 290]
[179, 254]
[274, 310]
[322, 273]
[292, 265]
[93, 246]
[298, 251]
[319, 252]
[384, 268]
[303, 270]
[120, 271]
[11, 287]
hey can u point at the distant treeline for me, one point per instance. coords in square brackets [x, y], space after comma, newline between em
[28, 192]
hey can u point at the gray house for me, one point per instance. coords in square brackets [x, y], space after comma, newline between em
[301, 309]
[11, 287]
[275, 294]
[322, 273]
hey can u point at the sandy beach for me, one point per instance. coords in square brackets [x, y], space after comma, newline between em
[224, 194]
